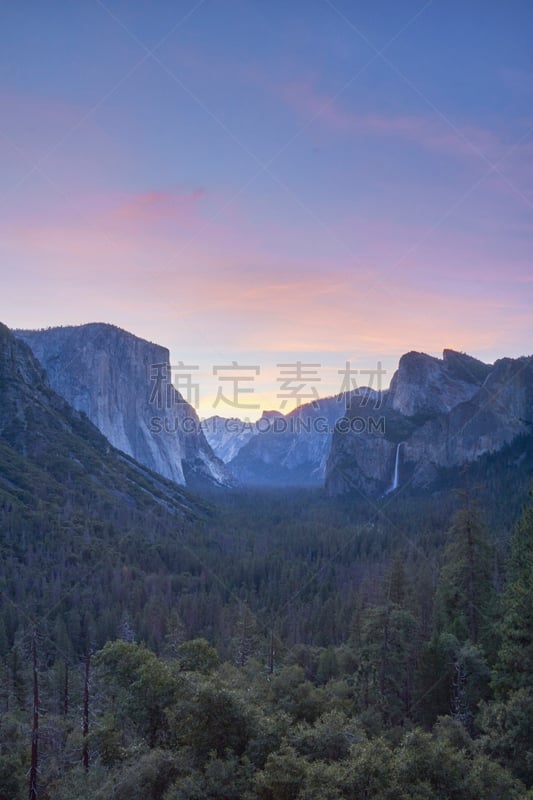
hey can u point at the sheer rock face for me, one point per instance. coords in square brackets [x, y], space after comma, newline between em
[123, 385]
[423, 384]
[51, 454]
[226, 436]
[444, 412]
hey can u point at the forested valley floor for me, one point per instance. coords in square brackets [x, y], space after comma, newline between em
[276, 645]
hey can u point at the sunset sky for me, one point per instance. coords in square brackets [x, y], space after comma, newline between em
[264, 182]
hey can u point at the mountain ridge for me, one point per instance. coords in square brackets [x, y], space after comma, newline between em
[123, 384]
[444, 411]
[53, 454]
[441, 420]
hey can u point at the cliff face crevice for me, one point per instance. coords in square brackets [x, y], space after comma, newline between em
[123, 384]
[447, 412]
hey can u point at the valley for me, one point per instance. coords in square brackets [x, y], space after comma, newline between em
[223, 638]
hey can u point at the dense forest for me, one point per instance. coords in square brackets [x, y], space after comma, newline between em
[275, 645]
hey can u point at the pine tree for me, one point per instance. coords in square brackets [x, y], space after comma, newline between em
[514, 668]
[32, 789]
[465, 585]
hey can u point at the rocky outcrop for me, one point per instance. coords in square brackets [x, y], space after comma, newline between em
[426, 385]
[444, 412]
[54, 463]
[227, 435]
[123, 385]
[280, 449]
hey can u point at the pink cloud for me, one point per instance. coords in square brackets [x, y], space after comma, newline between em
[101, 226]
[232, 300]
[143, 236]
[341, 312]
[428, 131]
[159, 206]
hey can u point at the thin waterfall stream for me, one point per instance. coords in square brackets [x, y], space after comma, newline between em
[394, 484]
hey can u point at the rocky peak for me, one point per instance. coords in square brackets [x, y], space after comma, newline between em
[226, 435]
[426, 385]
[509, 389]
[464, 367]
[123, 384]
[439, 414]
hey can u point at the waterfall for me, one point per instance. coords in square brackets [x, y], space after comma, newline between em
[394, 484]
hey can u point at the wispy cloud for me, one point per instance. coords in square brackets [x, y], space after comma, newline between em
[161, 205]
[427, 130]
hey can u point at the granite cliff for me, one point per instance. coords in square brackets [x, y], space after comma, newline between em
[438, 414]
[57, 468]
[123, 384]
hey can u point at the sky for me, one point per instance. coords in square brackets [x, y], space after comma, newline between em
[266, 183]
